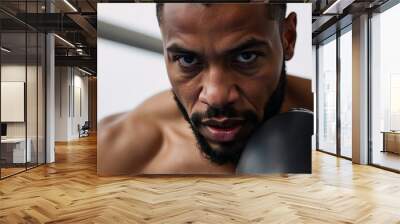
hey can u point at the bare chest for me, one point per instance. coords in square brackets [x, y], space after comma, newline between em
[179, 154]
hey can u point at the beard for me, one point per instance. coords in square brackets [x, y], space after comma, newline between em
[230, 152]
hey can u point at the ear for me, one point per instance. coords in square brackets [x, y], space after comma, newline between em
[289, 35]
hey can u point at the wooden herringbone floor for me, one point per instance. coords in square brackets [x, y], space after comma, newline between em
[70, 192]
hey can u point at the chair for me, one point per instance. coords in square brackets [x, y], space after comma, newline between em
[84, 130]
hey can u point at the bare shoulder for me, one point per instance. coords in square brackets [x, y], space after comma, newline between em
[299, 93]
[299, 84]
[161, 106]
[128, 141]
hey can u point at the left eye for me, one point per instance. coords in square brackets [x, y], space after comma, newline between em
[187, 60]
[246, 57]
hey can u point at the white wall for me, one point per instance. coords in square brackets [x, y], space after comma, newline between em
[33, 126]
[80, 83]
[301, 64]
[67, 80]
[140, 17]
[61, 103]
[128, 75]
[124, 83]
[135, 74]
[12, 73]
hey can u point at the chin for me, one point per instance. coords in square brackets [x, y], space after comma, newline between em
[234, 147]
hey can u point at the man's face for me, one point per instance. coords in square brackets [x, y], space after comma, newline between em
[224, 62]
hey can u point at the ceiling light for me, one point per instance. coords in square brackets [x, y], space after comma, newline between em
[64, 40]
[337, 7]
[84, 71]
[5, 50]
[70, 5]
[79, 51]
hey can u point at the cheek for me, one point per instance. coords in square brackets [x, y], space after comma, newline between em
[185, 90]
[259, 88]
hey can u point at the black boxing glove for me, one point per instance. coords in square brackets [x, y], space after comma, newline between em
[281, 145]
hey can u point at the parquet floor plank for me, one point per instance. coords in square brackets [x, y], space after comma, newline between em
[69, 191]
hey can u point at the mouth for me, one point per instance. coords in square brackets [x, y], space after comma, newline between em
[222, 130]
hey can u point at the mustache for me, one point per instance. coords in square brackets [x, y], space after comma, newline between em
[227, 111]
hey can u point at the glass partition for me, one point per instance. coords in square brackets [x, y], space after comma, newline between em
[41, 85]
[34, 45]
[14, 153]
[22, 101]
[31, 99]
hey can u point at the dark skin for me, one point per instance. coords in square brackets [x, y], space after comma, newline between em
[234, 63]
[215, 56]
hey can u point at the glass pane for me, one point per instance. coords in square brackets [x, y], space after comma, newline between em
[346, 94]
[31, 97]
[327, 97]
[31, 85]
[41, 98]
[22, 89]
[13, 86]
[386, 89]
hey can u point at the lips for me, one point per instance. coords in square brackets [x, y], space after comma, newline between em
[223, 129]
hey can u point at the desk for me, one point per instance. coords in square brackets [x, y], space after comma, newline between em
[15, 148]
[391, 141]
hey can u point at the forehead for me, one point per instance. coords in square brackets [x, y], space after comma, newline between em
[215, 21]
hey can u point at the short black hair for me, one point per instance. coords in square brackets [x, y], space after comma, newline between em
[275, 11]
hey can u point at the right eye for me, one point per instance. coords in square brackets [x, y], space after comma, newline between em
[186, 60]
[246, 57]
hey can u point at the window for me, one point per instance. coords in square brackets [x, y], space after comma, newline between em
[385, 89]
[327, 96]
[346, 94]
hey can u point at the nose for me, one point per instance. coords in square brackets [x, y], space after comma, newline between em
[219, 88]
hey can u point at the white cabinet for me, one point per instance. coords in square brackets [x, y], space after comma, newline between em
[12, 101]
[17, 145]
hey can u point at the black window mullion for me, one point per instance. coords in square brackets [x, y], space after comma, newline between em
[37, 90]
[317, 96]
[369, 95]
[338, 93]
[0, 96]
[26, 87]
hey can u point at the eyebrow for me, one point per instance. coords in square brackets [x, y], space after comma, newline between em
[249, 43]
[175, 48]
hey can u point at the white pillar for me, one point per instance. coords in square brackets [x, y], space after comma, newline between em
[50, 92]
[50, 99]
[314, 91]
[360, 89]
